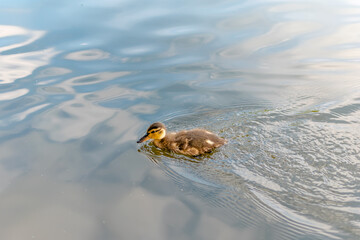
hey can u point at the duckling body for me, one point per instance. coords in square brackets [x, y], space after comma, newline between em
[188, 142]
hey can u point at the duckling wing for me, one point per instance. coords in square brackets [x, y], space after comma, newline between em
[188, 145]
[198, 140]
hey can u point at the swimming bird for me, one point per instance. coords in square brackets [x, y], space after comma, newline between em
[193, 142]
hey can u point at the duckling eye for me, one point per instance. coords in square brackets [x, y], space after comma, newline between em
[154, 130]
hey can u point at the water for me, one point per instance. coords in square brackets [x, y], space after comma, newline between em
[81, 81]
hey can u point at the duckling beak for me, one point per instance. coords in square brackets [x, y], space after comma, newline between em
[144, 138]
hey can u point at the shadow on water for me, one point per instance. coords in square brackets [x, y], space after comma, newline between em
[277, 170]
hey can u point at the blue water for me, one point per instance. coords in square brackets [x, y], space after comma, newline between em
[81, 81]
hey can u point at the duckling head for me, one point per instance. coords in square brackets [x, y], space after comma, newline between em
[155, 131]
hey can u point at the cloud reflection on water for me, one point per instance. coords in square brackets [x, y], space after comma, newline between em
[72, 171]
[87, 55]
[75, 118]
[21, 64]
[9, 95]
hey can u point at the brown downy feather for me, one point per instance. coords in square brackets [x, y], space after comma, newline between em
[191, 142]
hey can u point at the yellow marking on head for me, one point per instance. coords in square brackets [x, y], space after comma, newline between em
[209, 141]
[157, 133]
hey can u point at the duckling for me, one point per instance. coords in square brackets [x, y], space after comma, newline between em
[193, 142]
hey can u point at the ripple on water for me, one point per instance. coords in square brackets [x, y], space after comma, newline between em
[52, 72]
[10, 95]
[288, 166]
[20, 65]
[88, 55]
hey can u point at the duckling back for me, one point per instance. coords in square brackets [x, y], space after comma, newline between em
[191, 142]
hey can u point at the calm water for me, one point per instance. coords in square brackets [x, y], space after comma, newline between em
[81, 81]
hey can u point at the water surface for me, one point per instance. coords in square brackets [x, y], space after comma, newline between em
[81, 82]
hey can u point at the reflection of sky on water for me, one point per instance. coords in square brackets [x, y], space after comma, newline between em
[87, 55]
[19, 65]
[78, 89]
[13, 94]
[75, 118]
